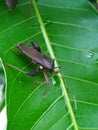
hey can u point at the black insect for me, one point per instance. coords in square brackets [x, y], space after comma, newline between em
[11, 3]
[45, 63]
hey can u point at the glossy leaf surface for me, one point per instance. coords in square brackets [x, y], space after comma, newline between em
[68, 32]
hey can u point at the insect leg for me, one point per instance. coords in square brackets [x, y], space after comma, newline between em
[33, 73]
[48, 83]
[35, 45]
[46, 77]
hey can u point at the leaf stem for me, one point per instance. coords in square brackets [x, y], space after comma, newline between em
[53, 56]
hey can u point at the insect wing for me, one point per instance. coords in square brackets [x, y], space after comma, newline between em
[46, 62]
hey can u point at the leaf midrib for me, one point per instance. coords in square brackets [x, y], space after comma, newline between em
[47, 41]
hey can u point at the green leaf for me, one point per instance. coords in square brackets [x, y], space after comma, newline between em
[68, 32]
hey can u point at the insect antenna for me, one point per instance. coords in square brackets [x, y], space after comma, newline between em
[14, 67]
[59, 69]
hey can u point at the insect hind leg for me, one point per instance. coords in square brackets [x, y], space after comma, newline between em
[35, 45]
[33, 73]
